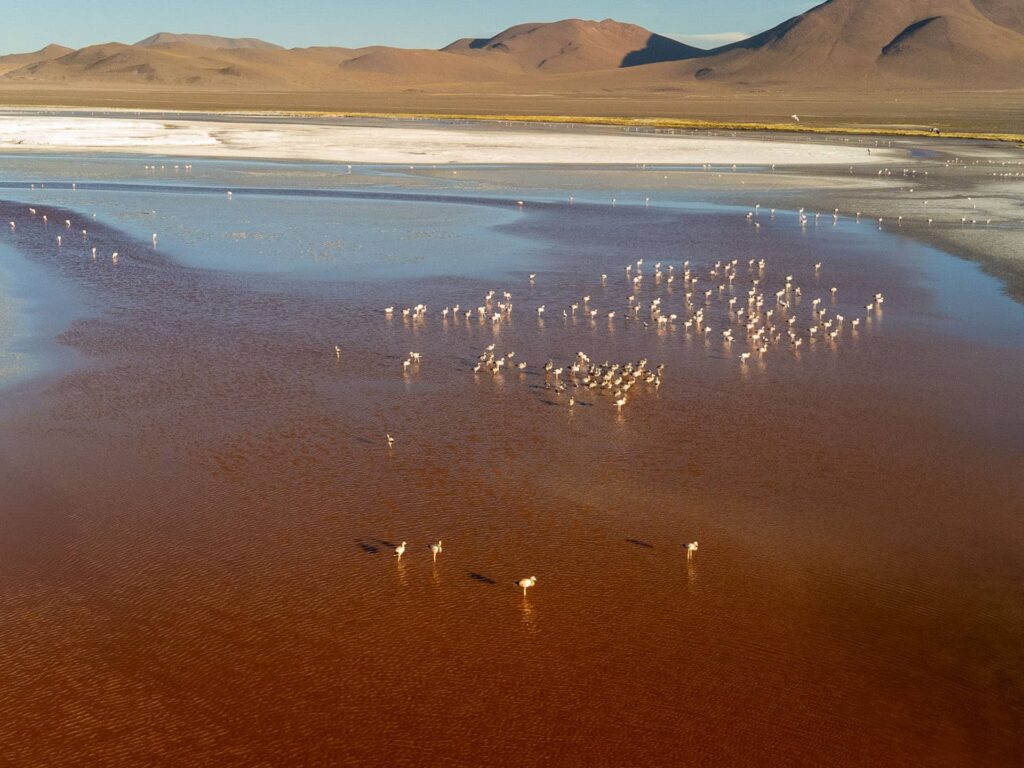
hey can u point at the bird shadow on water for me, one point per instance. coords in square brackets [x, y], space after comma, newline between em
[382, 543]
[367, 548]
[356, 438]
[639, 543]
[481, 578]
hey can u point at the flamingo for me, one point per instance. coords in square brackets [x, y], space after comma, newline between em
[436, 549]
[400, 550]
[690, 549]
[525, 584]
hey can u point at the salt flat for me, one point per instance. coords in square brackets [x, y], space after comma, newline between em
[403, 144]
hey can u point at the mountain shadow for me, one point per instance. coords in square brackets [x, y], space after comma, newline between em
[660, 48]
[907, 33]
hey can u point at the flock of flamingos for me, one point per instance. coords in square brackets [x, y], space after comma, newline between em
[750, 322]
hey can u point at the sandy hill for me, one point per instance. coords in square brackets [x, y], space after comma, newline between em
[182, 64]
[402, 65]
[574, 45]
[937, 42]
[1006, 13]
[117, 63]
[17, 60]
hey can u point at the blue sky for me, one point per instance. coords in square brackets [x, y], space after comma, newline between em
[351, 23]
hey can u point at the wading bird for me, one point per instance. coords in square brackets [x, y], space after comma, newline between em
[525, 584]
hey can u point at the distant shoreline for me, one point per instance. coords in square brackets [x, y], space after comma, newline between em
[649, 123]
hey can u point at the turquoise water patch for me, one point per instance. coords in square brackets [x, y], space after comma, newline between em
[34, 308]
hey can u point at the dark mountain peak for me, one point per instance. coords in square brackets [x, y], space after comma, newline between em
[203, 41]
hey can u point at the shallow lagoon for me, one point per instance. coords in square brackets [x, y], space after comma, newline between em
[202, 516]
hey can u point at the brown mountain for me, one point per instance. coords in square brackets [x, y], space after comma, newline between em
[937, 42]
[184, 64]
[839, 49]
[17, 60]
[120, 64]
[574, 45]
[1006, 13]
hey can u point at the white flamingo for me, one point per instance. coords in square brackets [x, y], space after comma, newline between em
[400, 550]
[436, 549]
[690, 549]
[525, 584]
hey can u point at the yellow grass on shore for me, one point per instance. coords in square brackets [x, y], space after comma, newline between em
[646, 123]
[678, 124]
